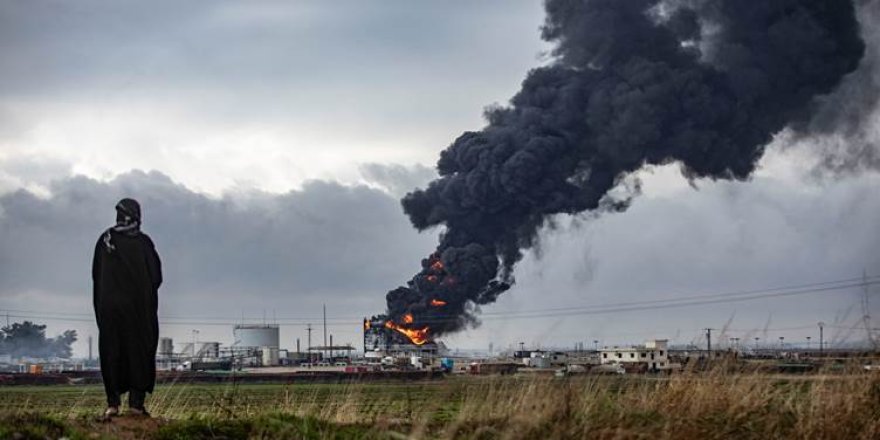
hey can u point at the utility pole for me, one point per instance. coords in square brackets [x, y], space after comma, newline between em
[90, 348]
[195, 338]
[821, 338]
[309, 330]
[325, 328]
[709, 342]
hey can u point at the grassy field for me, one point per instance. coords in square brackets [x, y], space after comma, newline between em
[697, 405]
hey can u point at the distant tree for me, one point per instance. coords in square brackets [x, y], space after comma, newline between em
[29, 339]
[61, 344]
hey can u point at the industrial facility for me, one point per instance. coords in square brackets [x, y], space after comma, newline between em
[256, 345]
[385, 345]
[392, 348]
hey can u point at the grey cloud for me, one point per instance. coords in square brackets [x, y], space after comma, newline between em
[725, 237]
[53, 46]
[397, 179]
[401, 74]
[326, 242]
[30, 172]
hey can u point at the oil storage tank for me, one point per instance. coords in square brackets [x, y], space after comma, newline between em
[270, 356]
[256, 336]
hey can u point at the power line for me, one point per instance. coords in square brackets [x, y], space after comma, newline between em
[837, 284]
[599, 310]
[183, 323]
[850, 282]
[666, 303]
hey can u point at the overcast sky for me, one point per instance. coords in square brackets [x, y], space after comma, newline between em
[269, 144]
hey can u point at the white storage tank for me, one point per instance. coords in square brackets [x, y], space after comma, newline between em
[270, 356]
[255, 336]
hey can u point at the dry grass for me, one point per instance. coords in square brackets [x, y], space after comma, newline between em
[716, 404]
[713, 405]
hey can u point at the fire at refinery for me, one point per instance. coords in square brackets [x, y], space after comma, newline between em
[437, 300]
[418, 337]
[386, 335]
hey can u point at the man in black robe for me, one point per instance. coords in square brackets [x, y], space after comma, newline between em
[126, 272]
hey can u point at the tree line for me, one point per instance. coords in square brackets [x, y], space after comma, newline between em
[28, 339]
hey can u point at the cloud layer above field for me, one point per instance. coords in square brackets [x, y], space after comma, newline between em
[256, 254]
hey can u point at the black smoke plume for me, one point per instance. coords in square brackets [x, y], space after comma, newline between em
[702, 83]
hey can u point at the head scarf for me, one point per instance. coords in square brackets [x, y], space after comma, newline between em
[128, 221]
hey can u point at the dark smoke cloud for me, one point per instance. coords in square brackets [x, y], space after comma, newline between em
[705, 84]
[844, 129]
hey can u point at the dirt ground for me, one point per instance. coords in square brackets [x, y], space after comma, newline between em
[125, 427]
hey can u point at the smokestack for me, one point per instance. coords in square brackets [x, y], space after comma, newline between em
[704, 84]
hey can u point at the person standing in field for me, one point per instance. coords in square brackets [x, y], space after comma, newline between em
[127, 273]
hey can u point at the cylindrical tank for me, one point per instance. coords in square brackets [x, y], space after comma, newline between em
[166, 347]
[256, 336]
[270, 356]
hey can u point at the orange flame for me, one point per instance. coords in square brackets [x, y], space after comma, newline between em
[366, 324]
[418, 337]
[438, 302]
[408, 318]
[437, 266]
[432, 278]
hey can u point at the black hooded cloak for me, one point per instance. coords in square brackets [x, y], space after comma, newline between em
[127, 273]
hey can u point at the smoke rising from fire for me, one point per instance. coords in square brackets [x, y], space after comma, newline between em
[702, 83]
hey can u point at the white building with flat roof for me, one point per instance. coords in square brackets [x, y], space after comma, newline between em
[654, 354]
